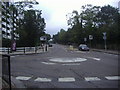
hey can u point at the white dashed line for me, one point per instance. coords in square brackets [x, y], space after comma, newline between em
[43, 80]
[23, 78]
[98, 59]
[72, 64]
[91, 79]
[113, 77]
[48, 63]
[80, 51]
[66, 79]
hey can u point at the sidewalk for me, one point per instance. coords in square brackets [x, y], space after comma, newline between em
[97, 50]
[107, 51]
[14, 83]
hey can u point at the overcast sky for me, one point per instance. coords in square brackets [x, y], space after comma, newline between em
[54, 11]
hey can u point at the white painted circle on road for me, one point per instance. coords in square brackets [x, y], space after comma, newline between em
[67, 60]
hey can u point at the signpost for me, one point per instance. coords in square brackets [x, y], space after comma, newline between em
[104, 37]
[90, 38]
[43, 39]
[85, 39]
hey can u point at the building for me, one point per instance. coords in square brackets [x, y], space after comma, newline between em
[9, 21]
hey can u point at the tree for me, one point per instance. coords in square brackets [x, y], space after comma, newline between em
[93, 20]
[32, 28]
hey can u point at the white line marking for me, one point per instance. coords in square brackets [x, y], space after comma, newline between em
[66, 79]
[113, 77]
[43, 80]
[98, 59]
[72, 64]
[80, 51]
[12, 56]
[65, 60]
[48, 63]
[92, 78]
[23, 78]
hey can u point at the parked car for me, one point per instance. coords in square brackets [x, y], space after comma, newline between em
[50, 45]
[83, 47]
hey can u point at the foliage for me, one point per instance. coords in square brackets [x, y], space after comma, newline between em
[32, 28]
[93, 20]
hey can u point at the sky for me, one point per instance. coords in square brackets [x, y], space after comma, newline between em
[54, 11]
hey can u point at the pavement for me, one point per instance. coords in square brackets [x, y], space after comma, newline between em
[116, 52]
[18, 84]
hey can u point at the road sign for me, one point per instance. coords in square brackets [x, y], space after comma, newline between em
[43, 38]
[104, 37]
[104, 33]
[85, 39]
[90, 37]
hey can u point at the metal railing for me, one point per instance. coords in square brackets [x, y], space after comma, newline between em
[6, 70]
[19, 49]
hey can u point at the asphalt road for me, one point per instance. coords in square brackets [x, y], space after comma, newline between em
[62, 68]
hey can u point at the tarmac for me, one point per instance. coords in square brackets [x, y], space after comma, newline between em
[18, 84]
[14, 82]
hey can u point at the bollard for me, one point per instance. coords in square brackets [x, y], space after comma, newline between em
[46, 48]
[24, 49]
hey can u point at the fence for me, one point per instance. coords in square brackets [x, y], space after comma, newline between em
[19, 49]
[6, 69]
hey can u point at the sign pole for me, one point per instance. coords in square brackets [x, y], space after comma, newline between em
[104, 37]
[105, 45]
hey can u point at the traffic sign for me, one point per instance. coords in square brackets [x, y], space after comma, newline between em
[104, 37]
[90, 37]
[85, 39]
[104, 33]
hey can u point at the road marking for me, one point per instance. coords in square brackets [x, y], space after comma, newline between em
[43, 80]
[113, 77]
[72, 64]
[13, 56]
[98, 59]
[65, 60]
[66, 79]
[91, 79]
[48, 63]
[23, 78]
[80, 51]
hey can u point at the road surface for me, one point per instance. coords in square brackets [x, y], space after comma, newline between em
[62, 68]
